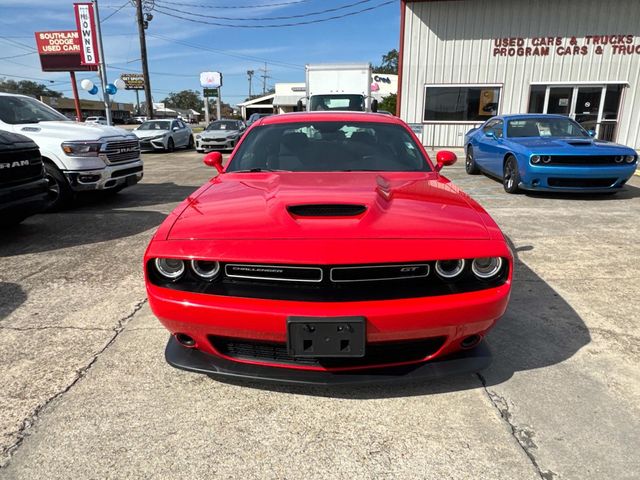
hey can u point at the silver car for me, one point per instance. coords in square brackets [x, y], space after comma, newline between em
[164, 135]
[220, 135]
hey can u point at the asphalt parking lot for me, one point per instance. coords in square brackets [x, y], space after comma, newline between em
[87, 393]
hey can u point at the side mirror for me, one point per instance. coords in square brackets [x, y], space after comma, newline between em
[214, 159]
[300, 106]
[445, 158]
[374, 105]
[175, 129]
[592, 133]
[491, 134]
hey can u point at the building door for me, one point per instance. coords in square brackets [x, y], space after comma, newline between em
[595, 107]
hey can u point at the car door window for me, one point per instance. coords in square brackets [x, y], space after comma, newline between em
[498, 129]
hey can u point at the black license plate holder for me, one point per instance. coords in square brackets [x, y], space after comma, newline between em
[326, 337]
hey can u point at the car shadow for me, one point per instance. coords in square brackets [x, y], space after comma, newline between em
[12, 296]
[94, 219]
[538, 330]
[627, 192]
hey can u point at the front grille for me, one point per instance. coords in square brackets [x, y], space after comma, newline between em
[326, 210]
[584, 160]
[126, 171]
[339, 283]
[12, 173]
[375, 353]
[122, 151]
[581, 182]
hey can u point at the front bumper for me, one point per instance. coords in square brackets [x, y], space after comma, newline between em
[215, 144]
[152, 145]
[193, 360]
[24, 199]
[593, 178]
[111, 176]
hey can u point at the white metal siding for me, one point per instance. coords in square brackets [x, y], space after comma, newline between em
[452, 42]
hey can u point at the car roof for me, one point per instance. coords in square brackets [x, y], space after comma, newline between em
[332, 116]
[530, 115]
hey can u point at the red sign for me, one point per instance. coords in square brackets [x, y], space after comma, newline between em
[58, 43]
[85, 21]
[60, 51]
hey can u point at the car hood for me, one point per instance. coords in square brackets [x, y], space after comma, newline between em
[66, 131]
[218, 133]
[572, 146]
[149, 133]
[398, 205]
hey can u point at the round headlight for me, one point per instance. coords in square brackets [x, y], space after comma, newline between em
[619, 159]
[449, 268]
[535, 159]
[545, 158]
[486, 267]
[205, 269]
[630, 158]
[170, 268]
[198, 137]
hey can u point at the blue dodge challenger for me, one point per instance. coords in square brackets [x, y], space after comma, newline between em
[547, 152]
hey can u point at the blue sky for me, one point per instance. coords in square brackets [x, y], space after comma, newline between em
[179, 50]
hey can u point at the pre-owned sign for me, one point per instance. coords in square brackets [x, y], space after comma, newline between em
[86, 24]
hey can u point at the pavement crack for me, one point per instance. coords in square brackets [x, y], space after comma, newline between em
[523, 436]
[55, 327]
[23, 432]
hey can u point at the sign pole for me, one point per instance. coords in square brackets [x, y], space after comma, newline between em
[218, 104]
[206, 109]
[76, 99]
[137, 102]
[103, 71]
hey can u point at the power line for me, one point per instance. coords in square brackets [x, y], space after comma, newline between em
[222, 52]
[19, 44]
[235, 6]
[161, 11]
[117, 10]
[19, 55]
[259, 19]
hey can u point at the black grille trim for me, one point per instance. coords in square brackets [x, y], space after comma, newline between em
[581, 182]
[20, 174]
[376, 354]
[279, 273]
[326, 210]
[126, 171]
[328, 291]
[582, 160]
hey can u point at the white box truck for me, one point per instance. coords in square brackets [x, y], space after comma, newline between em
[339, 86]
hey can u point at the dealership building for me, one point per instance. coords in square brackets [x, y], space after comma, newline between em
[463, 61]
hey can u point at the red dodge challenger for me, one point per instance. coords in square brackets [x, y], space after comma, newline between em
[330, 250]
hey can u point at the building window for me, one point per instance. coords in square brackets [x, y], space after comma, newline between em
[536, 98]
[460, 103]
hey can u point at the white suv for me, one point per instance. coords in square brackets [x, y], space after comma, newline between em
[77, 156]
[100, 120]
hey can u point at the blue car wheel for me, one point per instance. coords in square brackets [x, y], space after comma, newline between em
[511, 175]
[470, 162]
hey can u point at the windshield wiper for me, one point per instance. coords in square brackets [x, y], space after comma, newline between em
[258, 170]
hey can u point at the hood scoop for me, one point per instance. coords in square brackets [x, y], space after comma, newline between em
[326, 210]
[580, 143]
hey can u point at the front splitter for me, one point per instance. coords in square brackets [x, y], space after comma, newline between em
[473, 360]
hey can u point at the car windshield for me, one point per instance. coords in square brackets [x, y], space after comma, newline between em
[155, 125]
[222, 125]
[545, 127]
[18, 110]
[329, 146]
[337, 102]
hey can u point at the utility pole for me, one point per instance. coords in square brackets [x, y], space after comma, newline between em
[264, 78]
[102, 65]
[142, 24]
[250, 75]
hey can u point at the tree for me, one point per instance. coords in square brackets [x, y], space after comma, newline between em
[388, 103]
[389, 63]
[27, 87]
[186, 99]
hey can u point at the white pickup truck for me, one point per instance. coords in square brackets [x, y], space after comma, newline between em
[77, 157]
